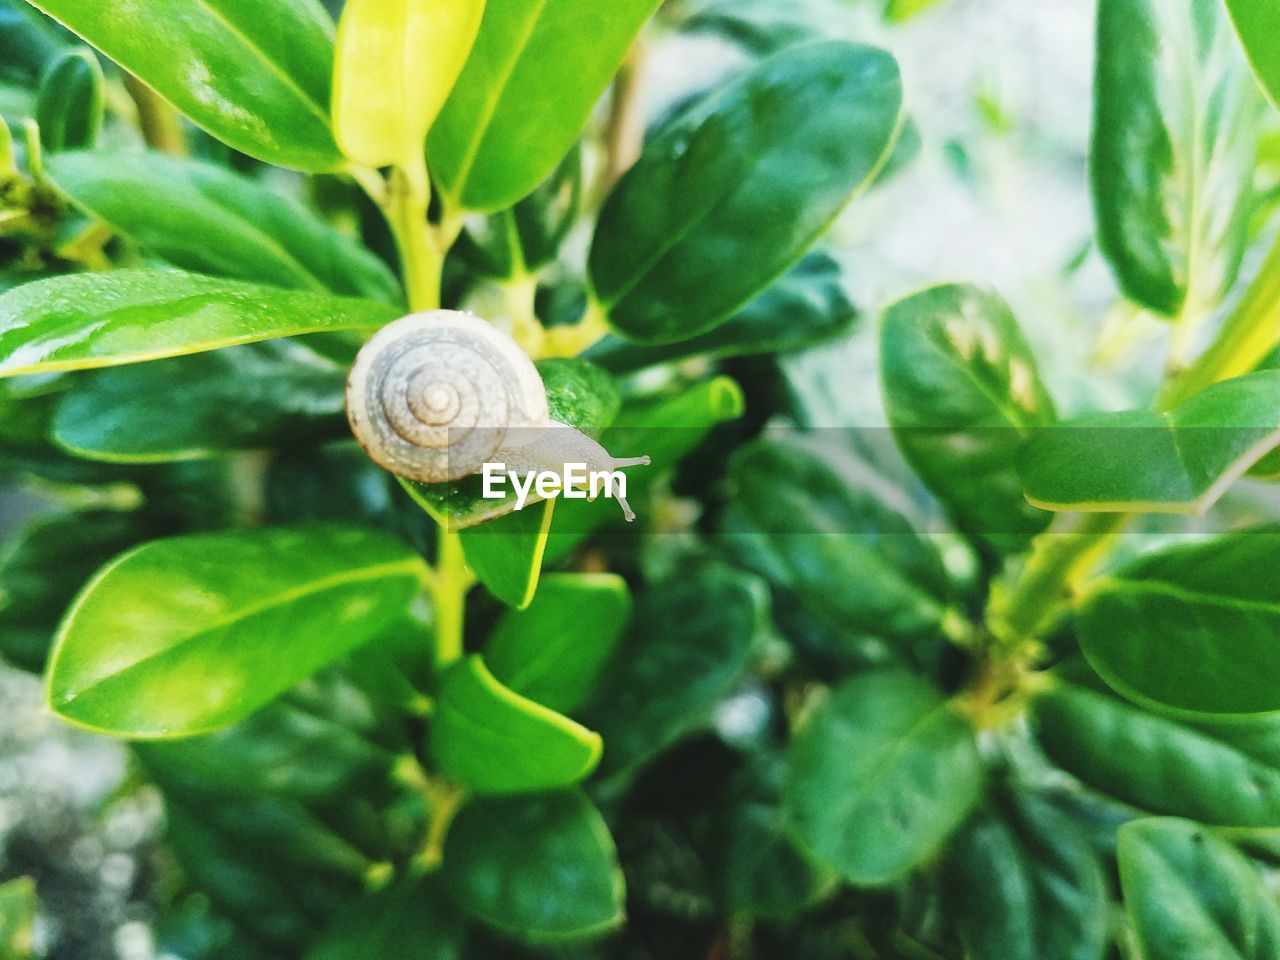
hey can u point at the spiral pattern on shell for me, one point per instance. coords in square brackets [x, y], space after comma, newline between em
[432, 396]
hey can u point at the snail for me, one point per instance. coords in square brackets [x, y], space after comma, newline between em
[434, 396]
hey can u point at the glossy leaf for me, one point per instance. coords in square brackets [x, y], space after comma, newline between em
[1181, 461]
[1190, 895]
[879, 775]
[543, 869]
[80, 321]
[808, 305]
[17, 918]
[256, 76]
[204, 218]
[962, 394]
[532, 79]
[69, 105]
[411, 913]
[242, 398]
[1255, 23]
[1173, 151]
[691, 641]
[1155, 763]
[814, 520]
[187, 635]
[1026, 884]
[553, 652]
[490, 740]
[739, 187]
[395, 63]
[1192, 627]
[506, 554]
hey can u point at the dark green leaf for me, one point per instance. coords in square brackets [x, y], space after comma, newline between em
[411, 914]
[534, 74]
[29, 42]
[186, 635]
[759, 26]
[962, 393]
[739, 187]
[1181, 461]
[1190, 896]
[807, 306]
[553, 652]
[490, 740]
[69, 106]
[1173, 151]
[205, 218]
[543, 869]
[1192, 627]
[104, 319]
[241, 398]
[256, 76]
[881, 773]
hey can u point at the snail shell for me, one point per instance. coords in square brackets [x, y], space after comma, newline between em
[433, 396]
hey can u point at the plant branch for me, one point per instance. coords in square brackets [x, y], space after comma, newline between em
[624, 137]
[160, 124]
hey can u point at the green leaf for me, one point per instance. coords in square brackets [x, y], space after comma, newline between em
[962, 393]
[17, 918]
[813, 520]
[543, 869]
[1026, 885]
[898, 11]
[759, 26]
[81, 321]
[242, 398]
[1153, 762]
[186, 635]
[808, 305]
[395, 63]
[412, 913]
[553, 652]
[255, 75]
[1173, 151]
[1181, 461]
[42, 568]
[1255, 23]
[881, 773]
[489, 740]
[1191, 896]
[29, 42]
[506, 554]
[691, 641]
[534, 75]
[578, 394]
[1192, 627]
[205, 218]
[740, 186]
[69, 105]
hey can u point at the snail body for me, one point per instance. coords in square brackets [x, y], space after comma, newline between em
[434, 396]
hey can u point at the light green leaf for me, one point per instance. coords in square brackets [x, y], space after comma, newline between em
[490, 740]
[1173, 151]
[881, 773]
[69, 105]
[1025, 884]
[242, 398]
[962, 394]
[1191, 896]
[808, 305]
[187, 635]
[740, 186]
[542, 869]
[80, 321]
[691, 642]
[17, 918]
[204, 218]
[1193, 627]
[1181, 461]
[553, 652]
[533, 77]
[506, 554]
[813, 520]
[395, 63]
[1255, 23]
[1153, 762]
[255, 75]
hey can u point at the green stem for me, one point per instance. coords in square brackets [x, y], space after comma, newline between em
[421, 253]
[1248, 335]
[1060, 558]
[452, 581]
